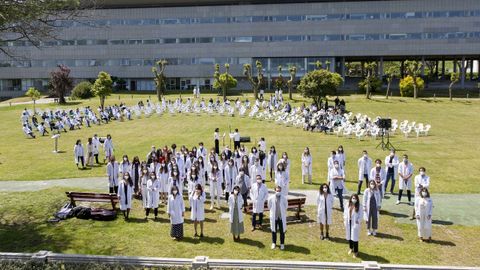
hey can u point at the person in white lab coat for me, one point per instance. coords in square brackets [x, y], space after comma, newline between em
[112, 174]
[215, 182]
[324, 210]
[256, 169]
[135, 173]
[271, 162]
[405, 173]
[330, 162]
[391, 170]
[379, 175]
[423, 209]
[108, 147]
[235, 203]
[336, 178]
[125, 165]
[364, 167]
[262, 145]
[236, 139]
[125, 193]
[281, 178]
[176, 210]
[277, 205]
[96, 147]
[341, 156]
[79, 154]
[230, 178]
[243, 182]
[197, 201]
[201, 151]
[352, 217]
[163, 177]
[372, 202]
[258, 195]
[143, 186]
[90, 153]
[174, 180]
[153, 189]
[306, 166]
[421, 181]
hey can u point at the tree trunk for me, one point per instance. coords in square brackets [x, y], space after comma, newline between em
[102, 102]
[290, 92]
[159, 94]
[61, 99]
[414, 90]
[450, 91]
[367, 91]
[224, 93]
[255, 92]
[388, 89]
[34, 110]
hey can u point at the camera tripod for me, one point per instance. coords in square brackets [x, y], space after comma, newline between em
[387, 144]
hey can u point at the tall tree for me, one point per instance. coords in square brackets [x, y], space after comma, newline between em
[247, 71]
[369, 77]
[34, 94]
[454, 78]
[413, 69]
[37, 21]
[160, 79]
[223, 81]
[391, 72]
[103, 87]
[293, 73]
[319, 83]
[279, 81]
[61, 83]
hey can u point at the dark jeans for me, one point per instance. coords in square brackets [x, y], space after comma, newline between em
[244, 196]
[155, 211]
[390, 176]
[409, 195]
[278, 228]
[227, 194]
[96, 158]
[254, 219]
[353, 245]
[360, 182]
[340, 196]
[113, 189]
[80, 159]
[217, 147]
[236, 145]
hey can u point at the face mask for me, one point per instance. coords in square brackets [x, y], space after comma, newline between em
[372, 186]
[284, 157]
[336, 166]
[124, 159]
[174, 192]
[175, 174]
[277, 193]
[242, 173]
[259, 182]
[145, 172]
[125, 177]
[365, 156]
[235, 192]
[405, 160]
[325, 189]
[378, 164]
[215, 167]
[354, 200]
[422, 173]
[197, 192]
[424, 194]
[254, 151]
[152, 177]
[194, 175]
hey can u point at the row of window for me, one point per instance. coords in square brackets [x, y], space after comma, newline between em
[280, 38]
[278, 18]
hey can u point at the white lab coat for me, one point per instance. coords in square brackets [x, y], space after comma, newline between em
[179, 184]
[258, 195]
[271, 163]
[230, 178]
[424, 182]
[78, 151]
[231, 204]
[112, 173]
[153, 195]
[282, 181]
[202, 152]
[125, 167]
[306, 164]
[272, 204]
[198, 207]
[336, 184]
[215, 179]
[125, 203]
[96, 145]
[383, 177]
[356, 218]
[164, 182]
[323, 218]
[368, 193]
[342, 159]
[175, 208]
[362, 163]
[394, 164]
[132, 172]
[108, 147]
[423, 209]
[143, 187]
[405, 169]
[256, 170]
[193, 182]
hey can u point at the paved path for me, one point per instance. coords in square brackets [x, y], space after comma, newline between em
[449, 209]
[40, 101]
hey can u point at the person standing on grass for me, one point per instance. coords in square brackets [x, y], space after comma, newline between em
[108, 147]
[281, 178]
[405, 173]
[423, 209]
[341, 157]
[125, 192]
[258, 195]
[176, 210]
[216, 139]
[96, 147]
[215, 181]
[421, 181]
[125, 165]
[352, 221]
[235, 203]
[163, 179]
[324, 209]
[243, 182]
[135, 172]
[236, 139]
[78, 152]
[197, 201]
[230, 178]
[330, 163]
[153, 189]
[306, 166]
[143, 186]
[391, 169]
[112, 173]
[364, 167]
[277, 205]
[372, 203]
[271, 162]
[90, 148]
[175, 181]
[379, 175]
[337, 181]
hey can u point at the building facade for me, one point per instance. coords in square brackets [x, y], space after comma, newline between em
[125, 38]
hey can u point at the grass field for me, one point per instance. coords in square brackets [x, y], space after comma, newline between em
[449, 153]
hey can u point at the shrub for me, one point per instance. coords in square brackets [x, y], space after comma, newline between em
[406, 86]
[82, 90]
[375, 85]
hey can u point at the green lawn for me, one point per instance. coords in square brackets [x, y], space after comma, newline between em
[23, 228]
[449, 153]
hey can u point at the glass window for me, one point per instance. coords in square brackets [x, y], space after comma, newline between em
[117, 42]
[150, 41]
[279, 38]
[220, 39]
[149, 62]
[133, 22]
[415, 36]
[134, 41]
[206, 61]
[186, 40]
[372, 37]
[356, 37]
[457, 13]
[397, 36]
[220, 20]
[279, 18]
[81, 63]
[316, 17]
[294, 38]
[204, 40]
[116, 22]
[149, 21]
[260, 19]
[358, 16]
[81, 42]
[295, 18]
[169, 40]
[316, 38]
[136, 62]
[243, 19]
[336, 16]
[242, 61]
[205, 20]
[170, 21]
[242, 39]
[101, 42]
[333, 37]
[397, 15]
[259, 39]
[440, 14]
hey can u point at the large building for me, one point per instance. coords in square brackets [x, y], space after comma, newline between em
[126, 37]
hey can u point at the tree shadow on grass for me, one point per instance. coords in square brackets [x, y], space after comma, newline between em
[369, 257]
[250, 242]
[297, 249]
[389, 236]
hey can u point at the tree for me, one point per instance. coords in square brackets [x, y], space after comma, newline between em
[247, 71]
[61, 83]
[413, 69]
[370, 77]
[34, 94]
[407, 86]
[103, 87]
[454, 78]
[319, 83]
[293, 73]
[279, 83]
[374, 83]
[391, 72]
[37, 21]
[223, 81]
[160, 79]
[83, 90]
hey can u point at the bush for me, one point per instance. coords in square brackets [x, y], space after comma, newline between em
[375, 85]
[82, 90]
[406, 86]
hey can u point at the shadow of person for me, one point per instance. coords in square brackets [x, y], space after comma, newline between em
[442, 243]
[297, 249]
[250, 242]
[190, 240]
[389, 236]
[210, 220]
[368, 257]
[212, 240]
[338, 240]
[395, 215]
[442, 222]
[136, 220]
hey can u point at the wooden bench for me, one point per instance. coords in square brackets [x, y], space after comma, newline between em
[293, 203]
[93, 197]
